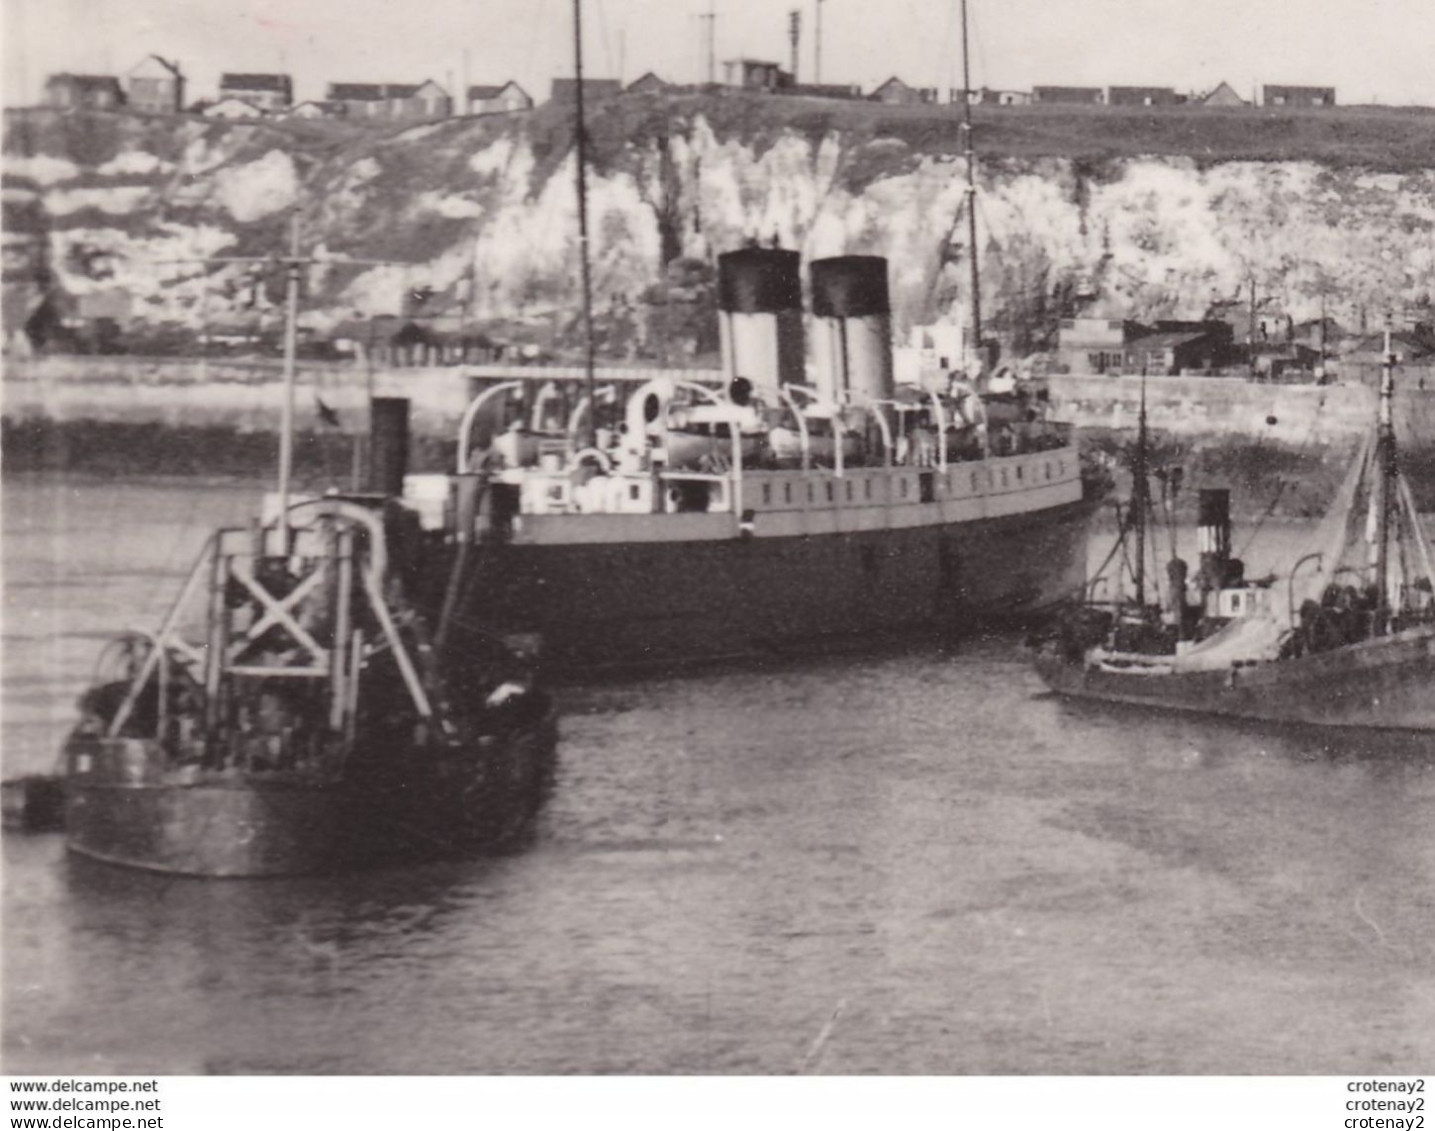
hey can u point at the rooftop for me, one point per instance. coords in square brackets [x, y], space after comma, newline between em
[279, 83]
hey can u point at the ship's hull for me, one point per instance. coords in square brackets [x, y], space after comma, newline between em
[409, 804]
[652, 605]
[1387, 683]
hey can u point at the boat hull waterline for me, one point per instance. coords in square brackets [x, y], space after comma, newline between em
[1387, 683]
[122, 808]
[612, 606]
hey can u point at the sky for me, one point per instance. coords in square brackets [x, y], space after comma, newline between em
[1370, 50]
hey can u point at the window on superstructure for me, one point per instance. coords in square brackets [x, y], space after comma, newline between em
[634, 492]
[811, 492]
[904, 488]
[766, 493]
[1048, 471]
[974, 481]
[787, 492]
[849, 490]
[1004, 478]
[867, 489]
[1018, 471]
[829, 491]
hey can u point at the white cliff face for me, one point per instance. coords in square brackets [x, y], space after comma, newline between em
[256, 189]
[497, 232]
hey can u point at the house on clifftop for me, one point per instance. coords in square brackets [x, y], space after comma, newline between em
[1223, 95]
[504, 98]
[264, 92]
[1068, 95]
[1321, 96]
[419, 101]
[1143, 96]
[390, 101]
[986, 96]
[84, 92]
[155, 86]
[895, 92]
[648, 83]
[755, 74]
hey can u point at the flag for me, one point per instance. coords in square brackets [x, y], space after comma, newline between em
[326, 414]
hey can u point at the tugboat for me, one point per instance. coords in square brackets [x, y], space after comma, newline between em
[1346, 637]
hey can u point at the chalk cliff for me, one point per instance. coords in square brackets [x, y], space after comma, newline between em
[482, 212]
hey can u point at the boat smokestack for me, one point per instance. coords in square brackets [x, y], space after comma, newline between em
[388, 445]
[760, 317]
[1214, 521]
[1213, 534]
[852, 326]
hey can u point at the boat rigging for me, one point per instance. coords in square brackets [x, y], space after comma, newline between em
[1345, 636]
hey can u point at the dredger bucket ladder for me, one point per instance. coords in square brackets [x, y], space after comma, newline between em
[297, 615]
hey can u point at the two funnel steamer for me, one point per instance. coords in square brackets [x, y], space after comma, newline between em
[682, 523]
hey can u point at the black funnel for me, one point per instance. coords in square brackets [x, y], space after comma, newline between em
[759, 280]
[388, 445]
[850, 286]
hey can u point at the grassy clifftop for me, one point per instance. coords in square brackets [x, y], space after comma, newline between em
[1384, 139]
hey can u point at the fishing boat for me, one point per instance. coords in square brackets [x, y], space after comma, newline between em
[296, 712]
[805, 501]
[1343, 637]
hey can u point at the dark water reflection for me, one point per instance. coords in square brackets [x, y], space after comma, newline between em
[912, 863]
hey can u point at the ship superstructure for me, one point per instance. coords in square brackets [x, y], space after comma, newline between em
[807, 501]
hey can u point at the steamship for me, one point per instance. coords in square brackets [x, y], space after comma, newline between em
[677, 522]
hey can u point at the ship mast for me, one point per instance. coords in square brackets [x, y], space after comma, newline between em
[293, 264]
[1385, 482]
[1140, 502]
[582, 155]
[286, 416]
[971, 158]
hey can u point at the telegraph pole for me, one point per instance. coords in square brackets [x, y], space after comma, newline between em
[710, 18]
[794, 35]
[971, 157]
[817, 63]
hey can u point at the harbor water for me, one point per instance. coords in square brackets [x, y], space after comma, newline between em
[912, 862]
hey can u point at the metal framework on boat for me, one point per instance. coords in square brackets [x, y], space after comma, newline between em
[268, 616]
